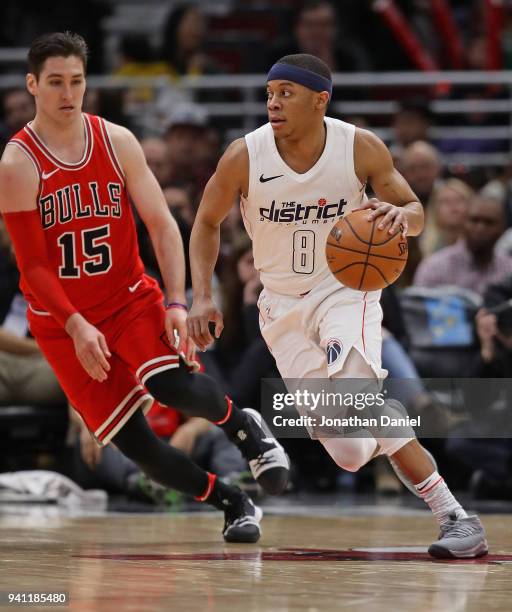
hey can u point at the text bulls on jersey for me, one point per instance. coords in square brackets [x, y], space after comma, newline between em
[295, 212]
[70, 203]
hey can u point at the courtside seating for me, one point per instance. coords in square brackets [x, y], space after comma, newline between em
[441, 329]
[28, 433]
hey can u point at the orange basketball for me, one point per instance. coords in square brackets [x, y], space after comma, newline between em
[362, 256]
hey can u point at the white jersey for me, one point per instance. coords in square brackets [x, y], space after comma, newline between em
[289, 215]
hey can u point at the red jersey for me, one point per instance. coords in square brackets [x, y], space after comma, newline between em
[87, 221]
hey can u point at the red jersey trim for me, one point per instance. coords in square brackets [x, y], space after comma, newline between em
[362, 323]
[110, 150]
[89, 145]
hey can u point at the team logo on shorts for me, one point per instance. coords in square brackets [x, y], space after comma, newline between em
[333, 349]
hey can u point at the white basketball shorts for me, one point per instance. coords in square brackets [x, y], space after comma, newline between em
[311, 336]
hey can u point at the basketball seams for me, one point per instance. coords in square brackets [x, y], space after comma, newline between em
[356, 234]
[349, 250]
[385, 241]
[366, 241]
[359, 263]
[370, 244]
[343, 248]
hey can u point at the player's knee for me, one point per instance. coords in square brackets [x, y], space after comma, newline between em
[194, 394]
[171, 387]
[351, 464]
[349, 454]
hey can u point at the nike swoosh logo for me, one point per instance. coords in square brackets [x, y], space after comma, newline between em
[133, 287]
[423, 487]
[46, 175]
[264, 179]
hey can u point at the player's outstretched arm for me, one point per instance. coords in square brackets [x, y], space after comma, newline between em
[396, 202]
[19, 187]
[224, 187]
[149, 200]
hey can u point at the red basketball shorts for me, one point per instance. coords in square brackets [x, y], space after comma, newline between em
[136, 337]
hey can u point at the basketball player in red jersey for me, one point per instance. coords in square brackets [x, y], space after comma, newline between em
[295, 176]
[66, 182]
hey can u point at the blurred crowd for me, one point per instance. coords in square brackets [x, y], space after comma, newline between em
[465, 250]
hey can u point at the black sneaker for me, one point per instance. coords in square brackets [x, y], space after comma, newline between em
[267, 459]
[242, 520]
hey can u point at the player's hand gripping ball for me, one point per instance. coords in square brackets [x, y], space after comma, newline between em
[362, 256]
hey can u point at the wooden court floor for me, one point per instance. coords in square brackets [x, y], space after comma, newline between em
[179, 562]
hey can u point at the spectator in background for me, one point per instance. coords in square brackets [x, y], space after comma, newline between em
[137, 59]
[241, 351]
[472, 262]
[242, 286]
[412, 122]
[477, 58]
[421, 167]
[316, 31]
[157, 158]
[448, 210]
[489, 459]
[18, 109]
[185, 135]
[180, 204]
[210, 147]
[184, 36]
[107, 103]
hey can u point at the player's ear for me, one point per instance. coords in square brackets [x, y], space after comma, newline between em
[322, 100]
[31, 82]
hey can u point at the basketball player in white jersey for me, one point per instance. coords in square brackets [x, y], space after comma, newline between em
[296, 176]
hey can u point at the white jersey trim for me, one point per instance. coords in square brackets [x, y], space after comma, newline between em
[56, 161]
[154, 361]
[145, 400]
[118, 409]
[41, 313]
[111, 151]
[302, 177]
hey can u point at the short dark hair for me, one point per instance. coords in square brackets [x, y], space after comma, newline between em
[416, 106]
[312, 5]
[56, 44]
[308, 62]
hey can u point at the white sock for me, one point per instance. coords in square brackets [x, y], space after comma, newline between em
[437, 496]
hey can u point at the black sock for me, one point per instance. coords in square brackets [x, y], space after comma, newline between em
[224, 496]
[241, 429]
[232, 421]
